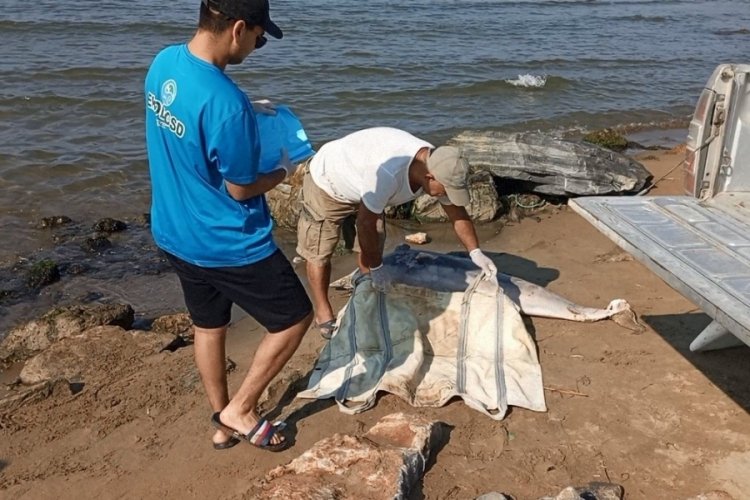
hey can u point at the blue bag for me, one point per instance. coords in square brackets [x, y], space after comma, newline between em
[282, 130]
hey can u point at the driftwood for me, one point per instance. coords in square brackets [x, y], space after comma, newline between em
[551, 165]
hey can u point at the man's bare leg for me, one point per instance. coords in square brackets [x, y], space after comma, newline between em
[319, 277]
[272, 354]
[210, 360]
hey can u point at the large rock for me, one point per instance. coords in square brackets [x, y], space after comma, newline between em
[37, 335]
[384, 464]
[175, 324]
[78, 356]
[284, 201]
[551, 165]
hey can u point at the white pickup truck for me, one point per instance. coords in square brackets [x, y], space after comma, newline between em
[699, 243]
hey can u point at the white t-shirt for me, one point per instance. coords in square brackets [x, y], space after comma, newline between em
[371, 166]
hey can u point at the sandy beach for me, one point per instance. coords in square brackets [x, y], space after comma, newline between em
[634, 409]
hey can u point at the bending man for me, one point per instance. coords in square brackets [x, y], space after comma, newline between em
[363, 173]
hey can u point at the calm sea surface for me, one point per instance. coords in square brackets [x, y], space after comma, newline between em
[71, 104]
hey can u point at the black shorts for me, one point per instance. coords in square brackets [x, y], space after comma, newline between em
[268, 290]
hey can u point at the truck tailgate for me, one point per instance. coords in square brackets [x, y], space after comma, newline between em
[701, 251]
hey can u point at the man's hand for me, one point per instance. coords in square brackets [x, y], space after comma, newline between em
[485, 263]
[264, 107]
[285, 164]
[381, 279]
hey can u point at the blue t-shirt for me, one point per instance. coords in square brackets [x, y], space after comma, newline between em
[201, 131]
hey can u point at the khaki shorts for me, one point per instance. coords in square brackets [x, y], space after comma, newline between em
[320, 223]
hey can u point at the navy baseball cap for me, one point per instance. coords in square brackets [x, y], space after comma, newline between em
[253, 12]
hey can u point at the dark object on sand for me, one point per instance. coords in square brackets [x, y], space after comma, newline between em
[96, 244]
[552, 166]
[44, 272]
[607, 138]
[54, 221]
[109, 225]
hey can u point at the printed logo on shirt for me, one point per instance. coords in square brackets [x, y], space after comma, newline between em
[169, 92]
[164, 118]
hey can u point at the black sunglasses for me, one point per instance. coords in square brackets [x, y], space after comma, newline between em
[260, 41]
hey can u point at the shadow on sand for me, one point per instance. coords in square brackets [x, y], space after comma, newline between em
[292, 410]
[519, 267]
[726, 368]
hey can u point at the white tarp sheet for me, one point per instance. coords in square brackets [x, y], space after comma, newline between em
[427, 347]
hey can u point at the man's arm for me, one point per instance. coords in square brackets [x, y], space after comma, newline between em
[370, 254]
[263, 183]
[463, 226]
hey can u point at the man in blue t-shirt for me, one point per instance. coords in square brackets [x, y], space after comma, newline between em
[209, 213]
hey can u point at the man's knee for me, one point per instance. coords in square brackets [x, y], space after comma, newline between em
[299, 329]
[210, 333]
